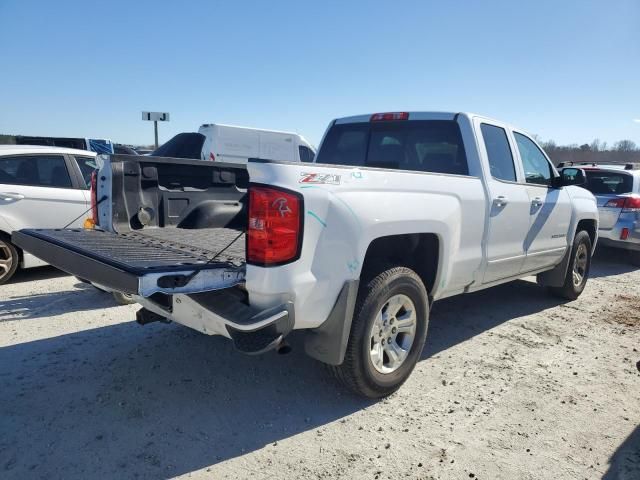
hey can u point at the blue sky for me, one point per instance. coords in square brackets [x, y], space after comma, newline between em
[566, 70]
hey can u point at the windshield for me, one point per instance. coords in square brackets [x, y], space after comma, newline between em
[420, 145]
[183, 145]
[608, 183]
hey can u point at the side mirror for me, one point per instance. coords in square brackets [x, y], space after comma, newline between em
[571, 176]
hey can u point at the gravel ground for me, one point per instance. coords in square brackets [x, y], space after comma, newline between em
[513, 384]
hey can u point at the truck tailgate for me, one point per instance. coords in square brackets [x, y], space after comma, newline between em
[167, 260]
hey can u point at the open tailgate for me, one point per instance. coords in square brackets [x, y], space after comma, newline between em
[167, 260]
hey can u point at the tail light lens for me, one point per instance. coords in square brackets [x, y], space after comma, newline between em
[631, 204]
[615, 203]
[274, 235]
[94, 197]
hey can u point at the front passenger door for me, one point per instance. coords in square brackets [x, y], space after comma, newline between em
[550, 211]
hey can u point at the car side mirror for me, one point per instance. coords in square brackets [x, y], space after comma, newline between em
[572, 176]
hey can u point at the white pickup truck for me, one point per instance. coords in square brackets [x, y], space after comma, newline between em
[399, 210]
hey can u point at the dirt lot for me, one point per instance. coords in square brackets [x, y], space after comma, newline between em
[513, 384]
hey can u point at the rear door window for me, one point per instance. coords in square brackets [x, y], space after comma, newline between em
[419, 145]
[608, 183]
[35, 170]
[498, 152]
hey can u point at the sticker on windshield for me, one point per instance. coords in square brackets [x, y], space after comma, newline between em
[320, 178]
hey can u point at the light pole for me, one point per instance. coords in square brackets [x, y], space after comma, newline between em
[155, 117]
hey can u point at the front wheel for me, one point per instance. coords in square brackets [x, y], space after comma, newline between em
[9, 260]
[388, 332]
[578, 271]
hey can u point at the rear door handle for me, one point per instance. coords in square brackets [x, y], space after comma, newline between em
[11, 196]
[500, 201]
[537, 202]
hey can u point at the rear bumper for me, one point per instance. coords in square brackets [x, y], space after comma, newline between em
[226, 313]
[611, 237]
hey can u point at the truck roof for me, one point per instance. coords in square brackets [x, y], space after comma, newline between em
[22, 149]
[415, 115]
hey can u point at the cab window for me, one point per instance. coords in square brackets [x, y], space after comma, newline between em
[537, 169]
[498, 152]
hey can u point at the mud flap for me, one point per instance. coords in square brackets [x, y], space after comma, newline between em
[328, 342]
[556, 276]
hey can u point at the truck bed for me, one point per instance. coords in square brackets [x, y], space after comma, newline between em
[122, 261]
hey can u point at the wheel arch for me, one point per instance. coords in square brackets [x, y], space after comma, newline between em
[418, 251]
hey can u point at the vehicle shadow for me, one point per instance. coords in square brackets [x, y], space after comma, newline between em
[38, 273]
[456, 319]
[125, 401]
[610, 261]
[40, 305]
[625, 462]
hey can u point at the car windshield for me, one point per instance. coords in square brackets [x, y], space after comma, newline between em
[419, 145]
[601, 182]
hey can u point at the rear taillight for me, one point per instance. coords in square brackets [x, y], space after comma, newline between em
[389, 116]
[624, 234]
[631, 204]
[274, 234]
[615, 203]
[94, 197]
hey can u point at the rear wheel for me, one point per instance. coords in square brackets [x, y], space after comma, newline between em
[388, 332]
[578, 271]
[9, 260]
[635, 258]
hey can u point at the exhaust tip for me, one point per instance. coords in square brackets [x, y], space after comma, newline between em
[283, 348]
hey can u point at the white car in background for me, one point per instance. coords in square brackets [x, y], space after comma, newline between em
[40, 187]
[233, 144]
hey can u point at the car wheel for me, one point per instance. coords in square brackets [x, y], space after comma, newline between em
[123, 298]
[388, 332]
[635, 258]
[578, 271]
[9, 260]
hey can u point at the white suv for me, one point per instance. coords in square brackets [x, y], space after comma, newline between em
[40, 187]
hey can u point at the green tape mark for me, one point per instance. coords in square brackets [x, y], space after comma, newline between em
[324, 224]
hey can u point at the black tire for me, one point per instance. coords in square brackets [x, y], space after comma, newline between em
[9, 259]
[123, 298]
[635, 258]
[357, 371]
[572, 289]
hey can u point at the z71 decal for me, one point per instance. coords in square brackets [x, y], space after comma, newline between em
[322, 178]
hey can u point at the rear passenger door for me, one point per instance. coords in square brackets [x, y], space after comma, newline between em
[550, 209]
[40, 191]
[508, 206]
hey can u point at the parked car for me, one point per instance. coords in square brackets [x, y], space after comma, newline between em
[398, 211]
[617, 190]
[98, 145]
[40, 187]
[233, 144]
[124, 149]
